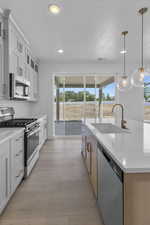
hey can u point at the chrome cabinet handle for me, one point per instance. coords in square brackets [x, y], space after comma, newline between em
[18, 154]
[19, 138]
[20, 172]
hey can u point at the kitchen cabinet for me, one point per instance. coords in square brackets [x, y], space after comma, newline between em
[32, 71]
[99, 169]
[94, 164]
[88, 156]
[18, 59]
[123, 175]
[43, 131]
[17, 159]
[5, 181]
[89, 152]
[16, 52]
[2, 81]
[11, 166]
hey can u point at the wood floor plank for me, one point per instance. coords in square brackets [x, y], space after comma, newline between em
[57, 192]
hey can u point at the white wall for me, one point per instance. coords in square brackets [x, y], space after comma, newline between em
[133, 100]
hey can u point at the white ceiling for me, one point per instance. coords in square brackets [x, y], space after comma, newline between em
[85, 29]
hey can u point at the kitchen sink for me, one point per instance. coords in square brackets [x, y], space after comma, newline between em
[108, 128]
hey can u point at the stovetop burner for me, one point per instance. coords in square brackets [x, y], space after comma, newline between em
[18, 122]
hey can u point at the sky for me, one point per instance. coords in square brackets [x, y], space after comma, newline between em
[147, 79]
[110, 89]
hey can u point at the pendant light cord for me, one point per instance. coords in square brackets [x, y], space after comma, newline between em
[142, 55]
[124, 69]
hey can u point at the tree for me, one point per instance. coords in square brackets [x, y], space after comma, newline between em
[108, 98]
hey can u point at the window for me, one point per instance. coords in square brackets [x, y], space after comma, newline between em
[147, 98]
[108, 99]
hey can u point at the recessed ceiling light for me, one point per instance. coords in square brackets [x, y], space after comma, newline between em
[55, 9]
[123, 51]
[61, 51]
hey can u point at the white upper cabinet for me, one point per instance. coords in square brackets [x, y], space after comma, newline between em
[17, 49]
[22, 61]
[2, 82]
[16, 58]
[33, 78]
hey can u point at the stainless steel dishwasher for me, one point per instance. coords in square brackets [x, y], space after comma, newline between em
[110, 189]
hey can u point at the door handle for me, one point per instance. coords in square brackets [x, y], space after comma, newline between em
[88, 147]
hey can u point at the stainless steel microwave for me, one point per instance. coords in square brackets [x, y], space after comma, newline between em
[19, 88]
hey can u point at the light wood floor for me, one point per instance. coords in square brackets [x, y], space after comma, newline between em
[57, 192]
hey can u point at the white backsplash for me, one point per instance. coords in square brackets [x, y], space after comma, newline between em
[22, 109]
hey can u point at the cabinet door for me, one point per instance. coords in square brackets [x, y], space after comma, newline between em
[35, 88]
[33, 85]
[31, 93]
[19, 49]
[98, 175]
[45, 131]
[27, 64]
[17, 151]
[4, 174]
[2, 86]
[88, 155]
[94, 164]
[14, 62]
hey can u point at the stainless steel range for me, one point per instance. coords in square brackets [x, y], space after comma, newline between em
[31, 135]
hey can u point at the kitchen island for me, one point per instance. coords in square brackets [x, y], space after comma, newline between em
[119, 169]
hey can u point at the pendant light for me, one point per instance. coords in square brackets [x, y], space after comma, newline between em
[124, 81]
[138, 75]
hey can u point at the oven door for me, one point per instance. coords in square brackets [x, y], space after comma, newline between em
[32, 142]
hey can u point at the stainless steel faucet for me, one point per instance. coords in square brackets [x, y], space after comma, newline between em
[123, 122]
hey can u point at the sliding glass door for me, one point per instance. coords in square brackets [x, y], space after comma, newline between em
[90, 98]
[80, 99]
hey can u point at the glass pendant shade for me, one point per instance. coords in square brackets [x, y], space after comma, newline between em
[138, 77]
[139, 74]
[124, 83]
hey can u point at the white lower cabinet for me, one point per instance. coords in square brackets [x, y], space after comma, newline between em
[43, 131]
[5, 181]
[11, 166]
[17, 159]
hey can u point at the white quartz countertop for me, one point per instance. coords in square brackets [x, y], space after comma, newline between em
[41, 117]
[7, 133]
[131, 151]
